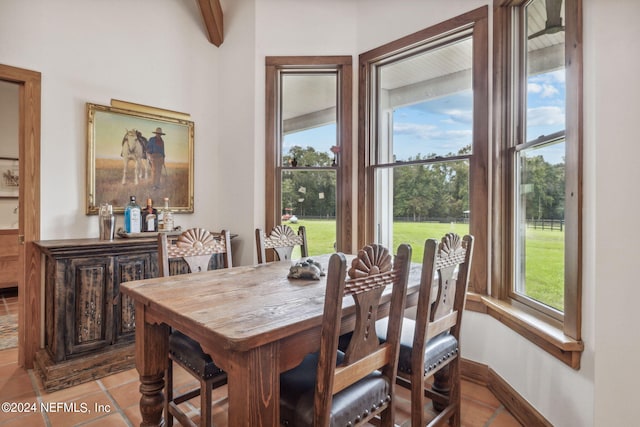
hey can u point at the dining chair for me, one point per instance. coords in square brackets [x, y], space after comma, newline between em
[195, 247]
[282, 240]
[435, 332]
[332, 388]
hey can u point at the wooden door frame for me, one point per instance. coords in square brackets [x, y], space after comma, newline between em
[29, 266]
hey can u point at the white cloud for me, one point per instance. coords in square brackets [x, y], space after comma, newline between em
[545, 116]
[534, 88]
[459, 134]
[460, 116]
[425, 132]
[548, 91]
[421, 131]
[552, 77]
[544, 90]
[448, 139]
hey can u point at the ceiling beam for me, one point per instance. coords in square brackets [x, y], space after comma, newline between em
[212, 15]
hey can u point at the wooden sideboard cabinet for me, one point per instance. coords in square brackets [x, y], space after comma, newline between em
[88, 325]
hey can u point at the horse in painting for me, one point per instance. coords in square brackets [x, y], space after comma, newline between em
[134, 149]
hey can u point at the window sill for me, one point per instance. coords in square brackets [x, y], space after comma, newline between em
[544, 334]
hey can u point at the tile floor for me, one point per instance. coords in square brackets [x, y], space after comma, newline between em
[8, 302]
[113, 400]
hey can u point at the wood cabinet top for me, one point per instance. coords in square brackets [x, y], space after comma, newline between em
[92, 246]
[95, 246]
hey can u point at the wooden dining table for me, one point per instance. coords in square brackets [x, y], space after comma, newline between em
[254, 321]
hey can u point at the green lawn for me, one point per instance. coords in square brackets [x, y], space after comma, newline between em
[545, 266]
[321, 236]
[545, 249]
[415, 234]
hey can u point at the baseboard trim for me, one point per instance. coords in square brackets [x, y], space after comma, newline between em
[522, 410]
[60, 375]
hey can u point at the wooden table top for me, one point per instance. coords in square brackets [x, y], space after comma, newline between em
[242, 307]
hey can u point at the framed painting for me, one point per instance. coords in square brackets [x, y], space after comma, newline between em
[10, 178]
[132, 153]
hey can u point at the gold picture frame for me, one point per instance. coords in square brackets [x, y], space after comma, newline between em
[115, 134]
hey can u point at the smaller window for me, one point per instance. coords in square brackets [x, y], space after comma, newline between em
[308, 148]
[539, 159]
[538, 134]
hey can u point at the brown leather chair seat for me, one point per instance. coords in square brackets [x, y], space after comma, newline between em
[349, 406]
[189, 354]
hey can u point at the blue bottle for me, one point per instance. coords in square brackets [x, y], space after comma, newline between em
[132, 217]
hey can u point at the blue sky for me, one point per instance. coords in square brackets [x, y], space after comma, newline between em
[440, 126]
[321, 138]
[546, 104]
[444, 125]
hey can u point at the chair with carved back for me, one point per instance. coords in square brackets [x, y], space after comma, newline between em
[332, 388]
[435, 332]
[282, 240]
[195, 247]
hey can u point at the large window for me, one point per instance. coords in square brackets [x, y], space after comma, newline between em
[428, 166]
[308, 148]
[423, 155]
[538, 133]
[423, 143]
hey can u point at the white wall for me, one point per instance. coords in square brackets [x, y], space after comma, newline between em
[145, 51]
[611, 119]
[235, 203]
[95, 51]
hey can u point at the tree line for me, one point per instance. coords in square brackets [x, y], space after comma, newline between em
[307, 192]
[423, 191]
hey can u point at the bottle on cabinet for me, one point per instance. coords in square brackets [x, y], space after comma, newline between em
[149, 217]
[166, 222]
[107, 222]
[132, 217]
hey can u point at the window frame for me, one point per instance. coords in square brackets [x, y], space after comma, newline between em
[475, 21]
[491, 167]
[559, 336]
[342, 66]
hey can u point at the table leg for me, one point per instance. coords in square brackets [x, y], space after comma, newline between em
[254, 387]
[152, 400]
[151, 362]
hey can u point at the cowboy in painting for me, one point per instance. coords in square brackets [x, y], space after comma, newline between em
[155, 149]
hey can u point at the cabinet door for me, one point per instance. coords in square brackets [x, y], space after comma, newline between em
[129, 267]
[89, 311]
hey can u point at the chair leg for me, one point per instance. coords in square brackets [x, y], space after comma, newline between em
[442, 385]
[447, 395]
[456, 393]
[418, 418]
[168, 382]
[205, 403]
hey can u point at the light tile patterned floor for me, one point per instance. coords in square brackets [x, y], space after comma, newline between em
[113, 400]
[8, 302]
